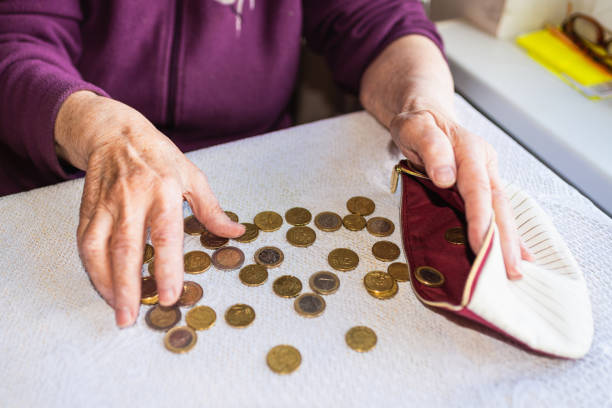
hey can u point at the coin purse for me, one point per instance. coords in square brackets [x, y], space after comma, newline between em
[547, 311]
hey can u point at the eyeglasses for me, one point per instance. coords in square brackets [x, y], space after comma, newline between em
[588, 34]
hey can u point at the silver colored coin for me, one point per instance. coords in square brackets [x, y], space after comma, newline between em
[309, 305]
[270, 257]
[324, 283]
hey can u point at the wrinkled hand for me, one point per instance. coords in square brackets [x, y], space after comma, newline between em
[450, 154]
[136, 179]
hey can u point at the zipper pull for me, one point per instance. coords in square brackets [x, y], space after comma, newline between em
[395, 178]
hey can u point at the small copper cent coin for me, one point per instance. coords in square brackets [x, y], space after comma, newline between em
[192, 226]
[360, 205]
[399, 271]
[162, 317]
[283, 359]
[180, 339]
[228, 258]
[429, 276]
[455, 235]
[328, 221]
[192, 293]
[268, 221]
[253, 275]
[301, 236]
[196, 262]
[148, 291]
[212, 241]
[240, 315]
[298, 216]
[343, 259]
[385, 251]
[380, 226]
[361, 338]
[232, 216]
[201, 318]
[149, 252]
[324, 283]
[250, 234]
[269, 256]
[287, 286]
[309, 305]
[354, 222]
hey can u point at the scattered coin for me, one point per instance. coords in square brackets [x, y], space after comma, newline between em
[201, 318]
[192, 226]
[269, 256]
[149, 252]
[309, 305]
[385, 251]
[360, 205]
[196, 262]
[212, 241]
[180, 339]
[380, 226]
[361, 338]
[232, 216]
[380, 285]
[298, 216]
[162, 317]
[301, 236]
[151, 268]
[399, 271]
[240, 315]
[324, 283]
[455, 236]
[284, 359]
[354, 222]
[343, 259]
[250, 234]
[268, 221]
[287, 286]
[192, 293]
[148, 291]
[328, 221]
[228, 258]
[429, 276]
[253, 275]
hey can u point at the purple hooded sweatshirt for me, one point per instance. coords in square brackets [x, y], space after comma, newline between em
[203, 71]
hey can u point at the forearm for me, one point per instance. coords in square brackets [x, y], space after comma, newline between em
[409, 75]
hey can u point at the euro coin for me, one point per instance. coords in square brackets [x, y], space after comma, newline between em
[455, 235]
[192, 293]
[192, 226]
[429, 276]
[270, 257]
[151, 268]
[324, 283]
[385, 251]
[201, 318]
[328, 221]
[232, 216]
[180, 339]
[361, 338]
[287, 286]
[378, 282]
[268, 221]
[228, 258]
[360, 205]
[343, 259]
[196, 262]
[149, 252]
[240, 315]
[399, 271]
[380, 226]
[354, 222]
[162, 317]
[148, 291]
[212, 241]
[250, 234]
[309, 305]
[253, 275]
[301, 236]
[284, 359]
[298, 216]
[385, 295]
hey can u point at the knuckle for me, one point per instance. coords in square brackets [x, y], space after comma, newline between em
[122, 244]
[166, 237]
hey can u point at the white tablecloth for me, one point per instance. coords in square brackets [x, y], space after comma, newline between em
[59, 345]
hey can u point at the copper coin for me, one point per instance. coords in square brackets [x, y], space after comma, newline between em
[149, 252]
[270, 257]
[455, 236]
[309, 305]
[162, 317]
[192, 293]
[380, 226]
[250, 234]
[192, 226]
[196, 262]
[429, 276]
[212, 241]
[399, 271]
[148, 291]
[298, 216]
[232, 216]
[385, 251]
[180, 339]
[228, 258]
[328, 221]
[360, 205]
[324, 283]
[354, 222]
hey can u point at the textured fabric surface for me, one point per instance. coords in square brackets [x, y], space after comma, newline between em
[59, 345]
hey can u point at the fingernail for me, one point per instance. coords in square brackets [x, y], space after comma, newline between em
[166, 296]
[123, 316]
[444, 175]
[514, 274]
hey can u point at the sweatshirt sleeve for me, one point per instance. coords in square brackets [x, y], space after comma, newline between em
[39, 45]
[351, 33]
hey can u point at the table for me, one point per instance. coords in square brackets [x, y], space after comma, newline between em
[563, 128]
[59, 346]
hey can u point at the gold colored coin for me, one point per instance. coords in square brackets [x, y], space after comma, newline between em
[380, 226]
[385, 295]
[212, 241]
[151, 268]
[284, 359]
[269, 256]
[399, 271]
[148, 291]
[354, 222]
[343, 259]
[149, 252]
[455, 236]
[250, 234]
[324, 283]
[385, 251]
[287, 286]
[253, 275]
[309, 305]
[240, 315]
[301, 236]
[268, 221]
[360, 205]
[196, 262]
[328, 221]
[192, 226]
[298, 216]
[378, 282]
[162, 317]
[192, 293]
[180, 339]
[429, 276]
[201, 318]
[361, 338]
[232, 216]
